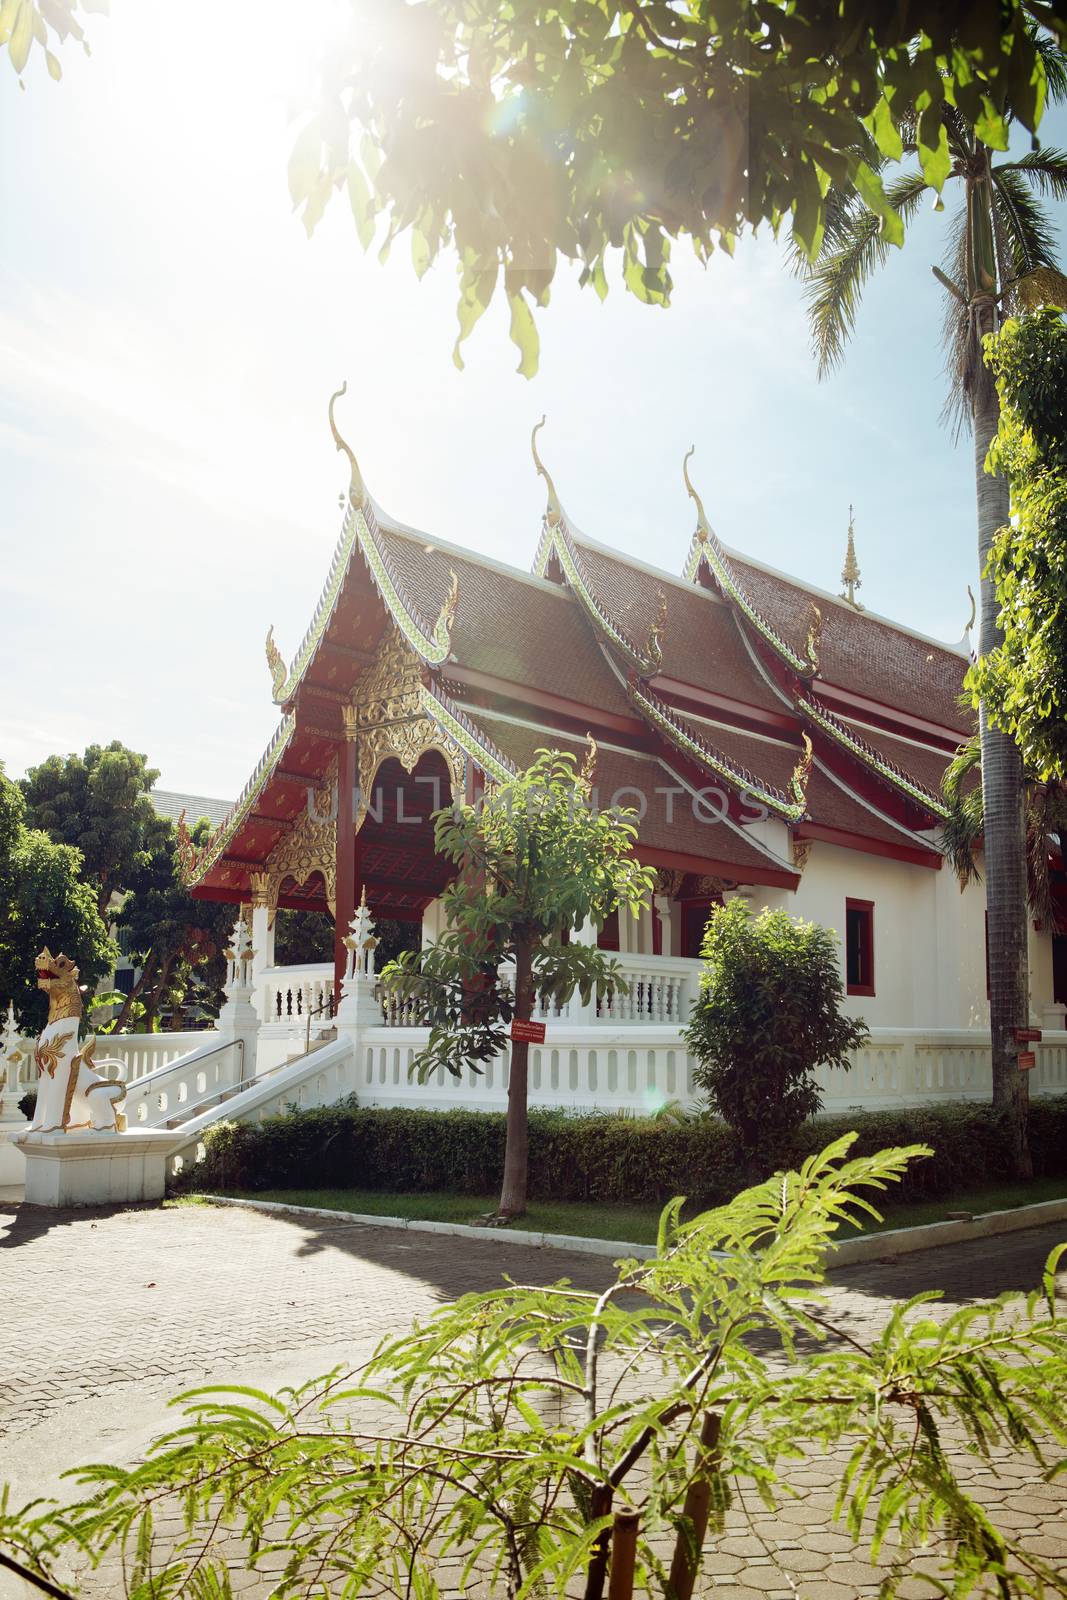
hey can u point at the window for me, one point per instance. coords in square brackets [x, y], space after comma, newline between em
[859, 946]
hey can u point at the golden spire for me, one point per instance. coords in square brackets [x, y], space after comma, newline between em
[850, 572]
[702, 522]
[553, 511]
[356, 492]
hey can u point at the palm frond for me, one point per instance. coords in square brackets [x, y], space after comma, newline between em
[1029, 234]
[960, 133]
[839, 276]
[1054, 60]
[962, 827]
[1046, 820]
[962, 355]
[1046, 169]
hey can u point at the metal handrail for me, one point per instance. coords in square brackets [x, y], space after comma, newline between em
[188, 1060]
[328, 1006]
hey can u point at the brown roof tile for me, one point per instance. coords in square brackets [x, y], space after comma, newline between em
[514, 627]
[861, 652]
[775, 762]
[831, 806]
[701, 641]
[666, 825]
[920, 761]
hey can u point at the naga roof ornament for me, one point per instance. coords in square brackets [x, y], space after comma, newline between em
[703, 530]
[553, 510]
[706, 546]
[357, 493]
[276, 662]
[654, 642]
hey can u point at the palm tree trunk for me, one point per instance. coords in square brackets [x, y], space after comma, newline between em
[517, 1137]
[1003, 798]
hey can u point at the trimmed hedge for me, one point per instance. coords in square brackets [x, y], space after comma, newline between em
[610, 1159]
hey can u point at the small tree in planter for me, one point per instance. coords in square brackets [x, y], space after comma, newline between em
[536, 861]
[769, 1013]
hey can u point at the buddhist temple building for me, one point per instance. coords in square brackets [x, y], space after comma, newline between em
[778, 743]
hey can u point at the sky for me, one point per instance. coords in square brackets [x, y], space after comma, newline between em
[169, 339]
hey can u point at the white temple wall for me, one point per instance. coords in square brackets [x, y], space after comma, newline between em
[929, 952]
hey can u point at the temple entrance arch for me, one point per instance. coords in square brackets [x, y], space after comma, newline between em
[395, 857]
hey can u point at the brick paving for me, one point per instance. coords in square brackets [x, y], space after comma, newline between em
[107, 1314]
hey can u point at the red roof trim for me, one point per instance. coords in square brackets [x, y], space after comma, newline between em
[849, 704]
[773, 877]
[592, 717]
[706, 700]
[912, 854]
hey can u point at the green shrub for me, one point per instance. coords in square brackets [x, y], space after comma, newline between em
[768, 1014]
[28, 1104]
[610, 1159]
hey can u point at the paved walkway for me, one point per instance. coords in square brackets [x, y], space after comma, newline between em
[107, 1314]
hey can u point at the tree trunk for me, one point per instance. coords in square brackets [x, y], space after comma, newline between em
[516, 1146]
[1003, 801]
[158, 994]
[123, 1017]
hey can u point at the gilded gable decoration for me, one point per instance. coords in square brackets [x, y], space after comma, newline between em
[309, 847]
[391, 719]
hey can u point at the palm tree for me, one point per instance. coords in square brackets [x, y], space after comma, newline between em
[1045, 813]
[1000, 259]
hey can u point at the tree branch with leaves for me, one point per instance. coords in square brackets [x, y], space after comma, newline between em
[536, 863]
[523, 1428]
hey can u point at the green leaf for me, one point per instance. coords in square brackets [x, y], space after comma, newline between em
[359, 198]
[886, 133]
[304, 162]
[523, 334]
[21, 37]
[869, 186]
[934, 157]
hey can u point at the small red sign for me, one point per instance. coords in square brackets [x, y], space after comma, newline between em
[528, 1032]
[1028, 1036]
[1027, 1059]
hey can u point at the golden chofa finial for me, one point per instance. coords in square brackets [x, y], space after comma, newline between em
[553, 511]
[850, 572]
[703, 529]
[356, 492]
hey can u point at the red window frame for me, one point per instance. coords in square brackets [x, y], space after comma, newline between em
[865, 908]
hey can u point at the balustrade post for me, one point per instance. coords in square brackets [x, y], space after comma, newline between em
[359, 1006]
[262, 943]
[239, 1019]
[584, 1016]
[12, 1049]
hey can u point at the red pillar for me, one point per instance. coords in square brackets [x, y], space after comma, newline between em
[345, 848]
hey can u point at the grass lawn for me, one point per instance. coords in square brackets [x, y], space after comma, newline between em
[635, 1224]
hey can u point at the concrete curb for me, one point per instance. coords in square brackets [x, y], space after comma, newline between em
[848, 1253]
[460, 1230]
[929, 1235]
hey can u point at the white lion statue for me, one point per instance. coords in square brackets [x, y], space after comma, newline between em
[70, 1093]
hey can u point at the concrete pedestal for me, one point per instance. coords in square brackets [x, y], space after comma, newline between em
[95, 1168]
[12, 1161]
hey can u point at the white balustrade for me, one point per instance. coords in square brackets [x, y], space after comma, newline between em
[176, 1091]
[139, 1054]
[292, 994]
[321, 1079]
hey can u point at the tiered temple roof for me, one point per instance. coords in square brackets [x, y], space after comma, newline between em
[763, 695]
